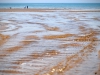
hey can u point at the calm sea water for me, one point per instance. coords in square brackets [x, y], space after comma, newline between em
[52, 5]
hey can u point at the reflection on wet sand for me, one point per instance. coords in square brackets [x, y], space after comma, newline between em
[33, 45]
[71, 61]
[48, 28]
[3, 38]
[47, 53]
[3, 27]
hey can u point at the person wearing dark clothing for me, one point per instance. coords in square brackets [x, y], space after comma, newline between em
[27, 7]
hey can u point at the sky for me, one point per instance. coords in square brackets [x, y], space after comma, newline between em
[49, 1]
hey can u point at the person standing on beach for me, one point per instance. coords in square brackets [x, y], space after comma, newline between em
[10, 7]
[27, 7]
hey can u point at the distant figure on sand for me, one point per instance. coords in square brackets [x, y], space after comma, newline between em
[10, 7]
[27, 7]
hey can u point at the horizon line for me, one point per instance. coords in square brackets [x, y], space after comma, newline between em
[46, 2]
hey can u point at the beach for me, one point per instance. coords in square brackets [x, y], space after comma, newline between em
[49, 41]
[48, 10]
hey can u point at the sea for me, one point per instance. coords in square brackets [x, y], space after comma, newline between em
[52, 5]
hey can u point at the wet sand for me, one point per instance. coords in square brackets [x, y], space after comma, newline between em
[47, 10]
[49, 42]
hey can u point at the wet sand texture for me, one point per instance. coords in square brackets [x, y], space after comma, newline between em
[49, 42]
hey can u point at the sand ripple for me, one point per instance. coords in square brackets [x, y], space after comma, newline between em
[50, 43]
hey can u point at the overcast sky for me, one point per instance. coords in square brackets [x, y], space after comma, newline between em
[49, 1]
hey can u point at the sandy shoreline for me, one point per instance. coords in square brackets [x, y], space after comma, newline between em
[49, 10]
[49, 42]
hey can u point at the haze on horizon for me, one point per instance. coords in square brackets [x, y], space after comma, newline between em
[49, 1]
